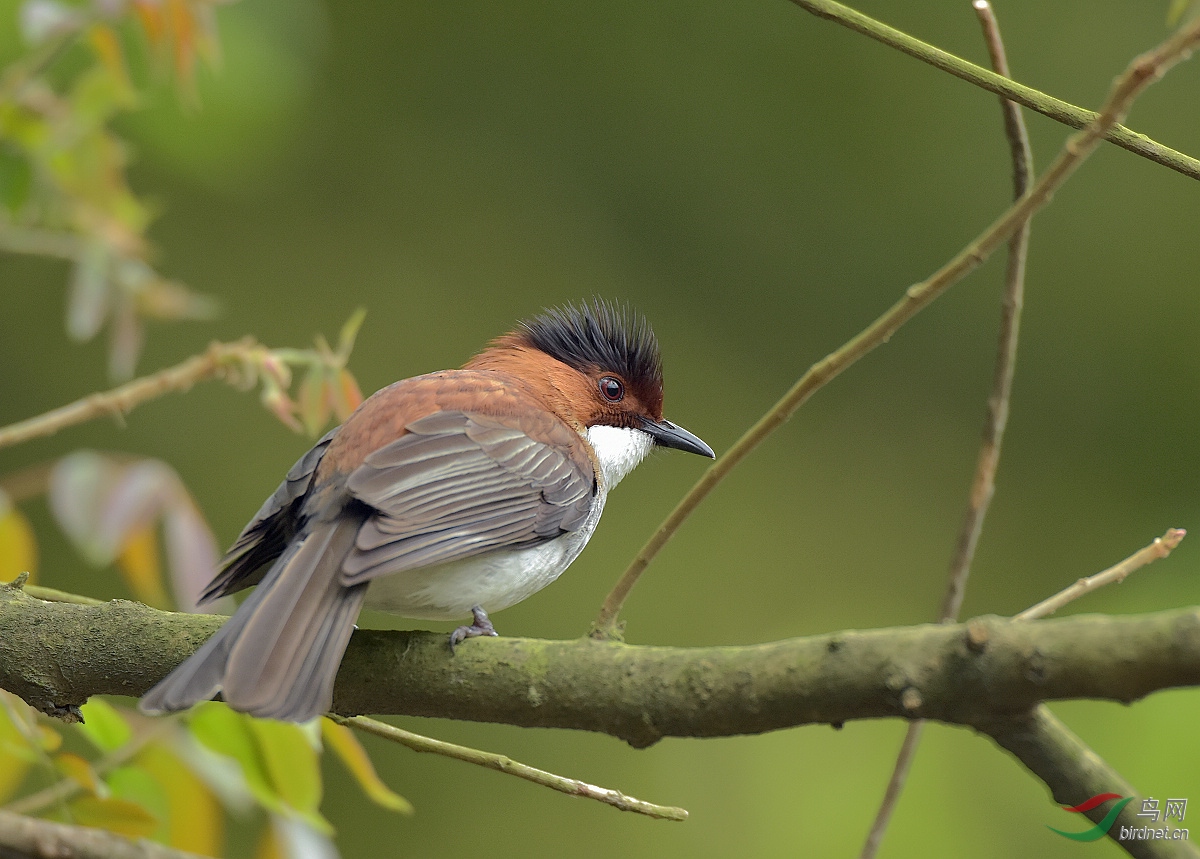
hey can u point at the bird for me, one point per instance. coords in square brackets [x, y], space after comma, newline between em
[444, 496]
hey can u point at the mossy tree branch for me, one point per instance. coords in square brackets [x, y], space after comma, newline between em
[56, 655]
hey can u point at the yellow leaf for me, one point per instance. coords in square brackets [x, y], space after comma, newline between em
[18, 547]
[139, 563]
[107, 46]
[347, 747]
[346, 395]
[79, 771]
[268, 844]
[115, 815]
[151, 17]
[49, 739]
[314, 401]
[195, 822]
[183, 32]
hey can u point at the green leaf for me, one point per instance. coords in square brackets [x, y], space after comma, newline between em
[347, 747]
[228, 733]
[349, 333]
[291, 761]
[16, 178]
[1176, 11]
[133, 784]
[17, 751]
[104, 726]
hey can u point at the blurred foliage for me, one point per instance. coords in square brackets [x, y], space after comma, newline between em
[65, 194]
[761, 184]
[62, 170]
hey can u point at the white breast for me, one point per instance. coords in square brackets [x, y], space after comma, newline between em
[504, 577]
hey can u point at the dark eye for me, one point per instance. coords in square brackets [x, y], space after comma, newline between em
[612, 389]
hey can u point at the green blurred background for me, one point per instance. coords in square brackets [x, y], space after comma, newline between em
[761, 184]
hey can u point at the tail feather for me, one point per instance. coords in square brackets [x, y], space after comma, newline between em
[278, 655]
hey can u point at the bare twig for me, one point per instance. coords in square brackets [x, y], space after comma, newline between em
[983, 485]
[48, 243]
[30, 838]
[895, 786]
[1060, 111]
[53, 595]
[1143, 71]
[1159, 549]
[501, 763]
[123, 399]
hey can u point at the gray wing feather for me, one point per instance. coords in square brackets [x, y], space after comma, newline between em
[268, 533]
[458, 485]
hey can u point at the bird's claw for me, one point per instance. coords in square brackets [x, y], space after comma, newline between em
[481, 626]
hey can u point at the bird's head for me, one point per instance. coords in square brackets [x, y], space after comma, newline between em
[595, 364]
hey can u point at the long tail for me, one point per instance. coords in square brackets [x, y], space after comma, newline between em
[278, 655]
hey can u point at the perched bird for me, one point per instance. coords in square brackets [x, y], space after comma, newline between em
[443, 496]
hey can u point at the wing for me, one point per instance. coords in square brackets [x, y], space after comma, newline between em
[459, 484]
[268, 533]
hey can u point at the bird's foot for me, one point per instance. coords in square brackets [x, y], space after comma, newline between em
[481, 626]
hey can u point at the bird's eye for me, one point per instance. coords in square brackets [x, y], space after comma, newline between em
[612, 389]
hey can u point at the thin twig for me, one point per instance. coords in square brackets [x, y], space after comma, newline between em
[895, 786]
[500, 763]
[31, 838]
[1060, 111]
[47, 243]
[1143, 71]
[53, 595]
[983, 485]
[1159, 549]
[20, 583]
[121, 400]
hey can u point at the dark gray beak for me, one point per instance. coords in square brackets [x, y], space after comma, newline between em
[666, 434]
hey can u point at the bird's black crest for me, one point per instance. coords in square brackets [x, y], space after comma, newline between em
[598, 335]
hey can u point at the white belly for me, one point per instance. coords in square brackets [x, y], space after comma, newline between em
[504, 577]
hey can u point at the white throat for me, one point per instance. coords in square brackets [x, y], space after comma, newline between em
[618, 450]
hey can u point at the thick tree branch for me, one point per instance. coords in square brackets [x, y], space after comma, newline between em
[56, 655]
[1074, 773]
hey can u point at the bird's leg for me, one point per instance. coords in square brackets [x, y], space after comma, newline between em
[481, 626]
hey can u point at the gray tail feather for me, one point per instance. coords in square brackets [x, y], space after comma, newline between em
[278, 655]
